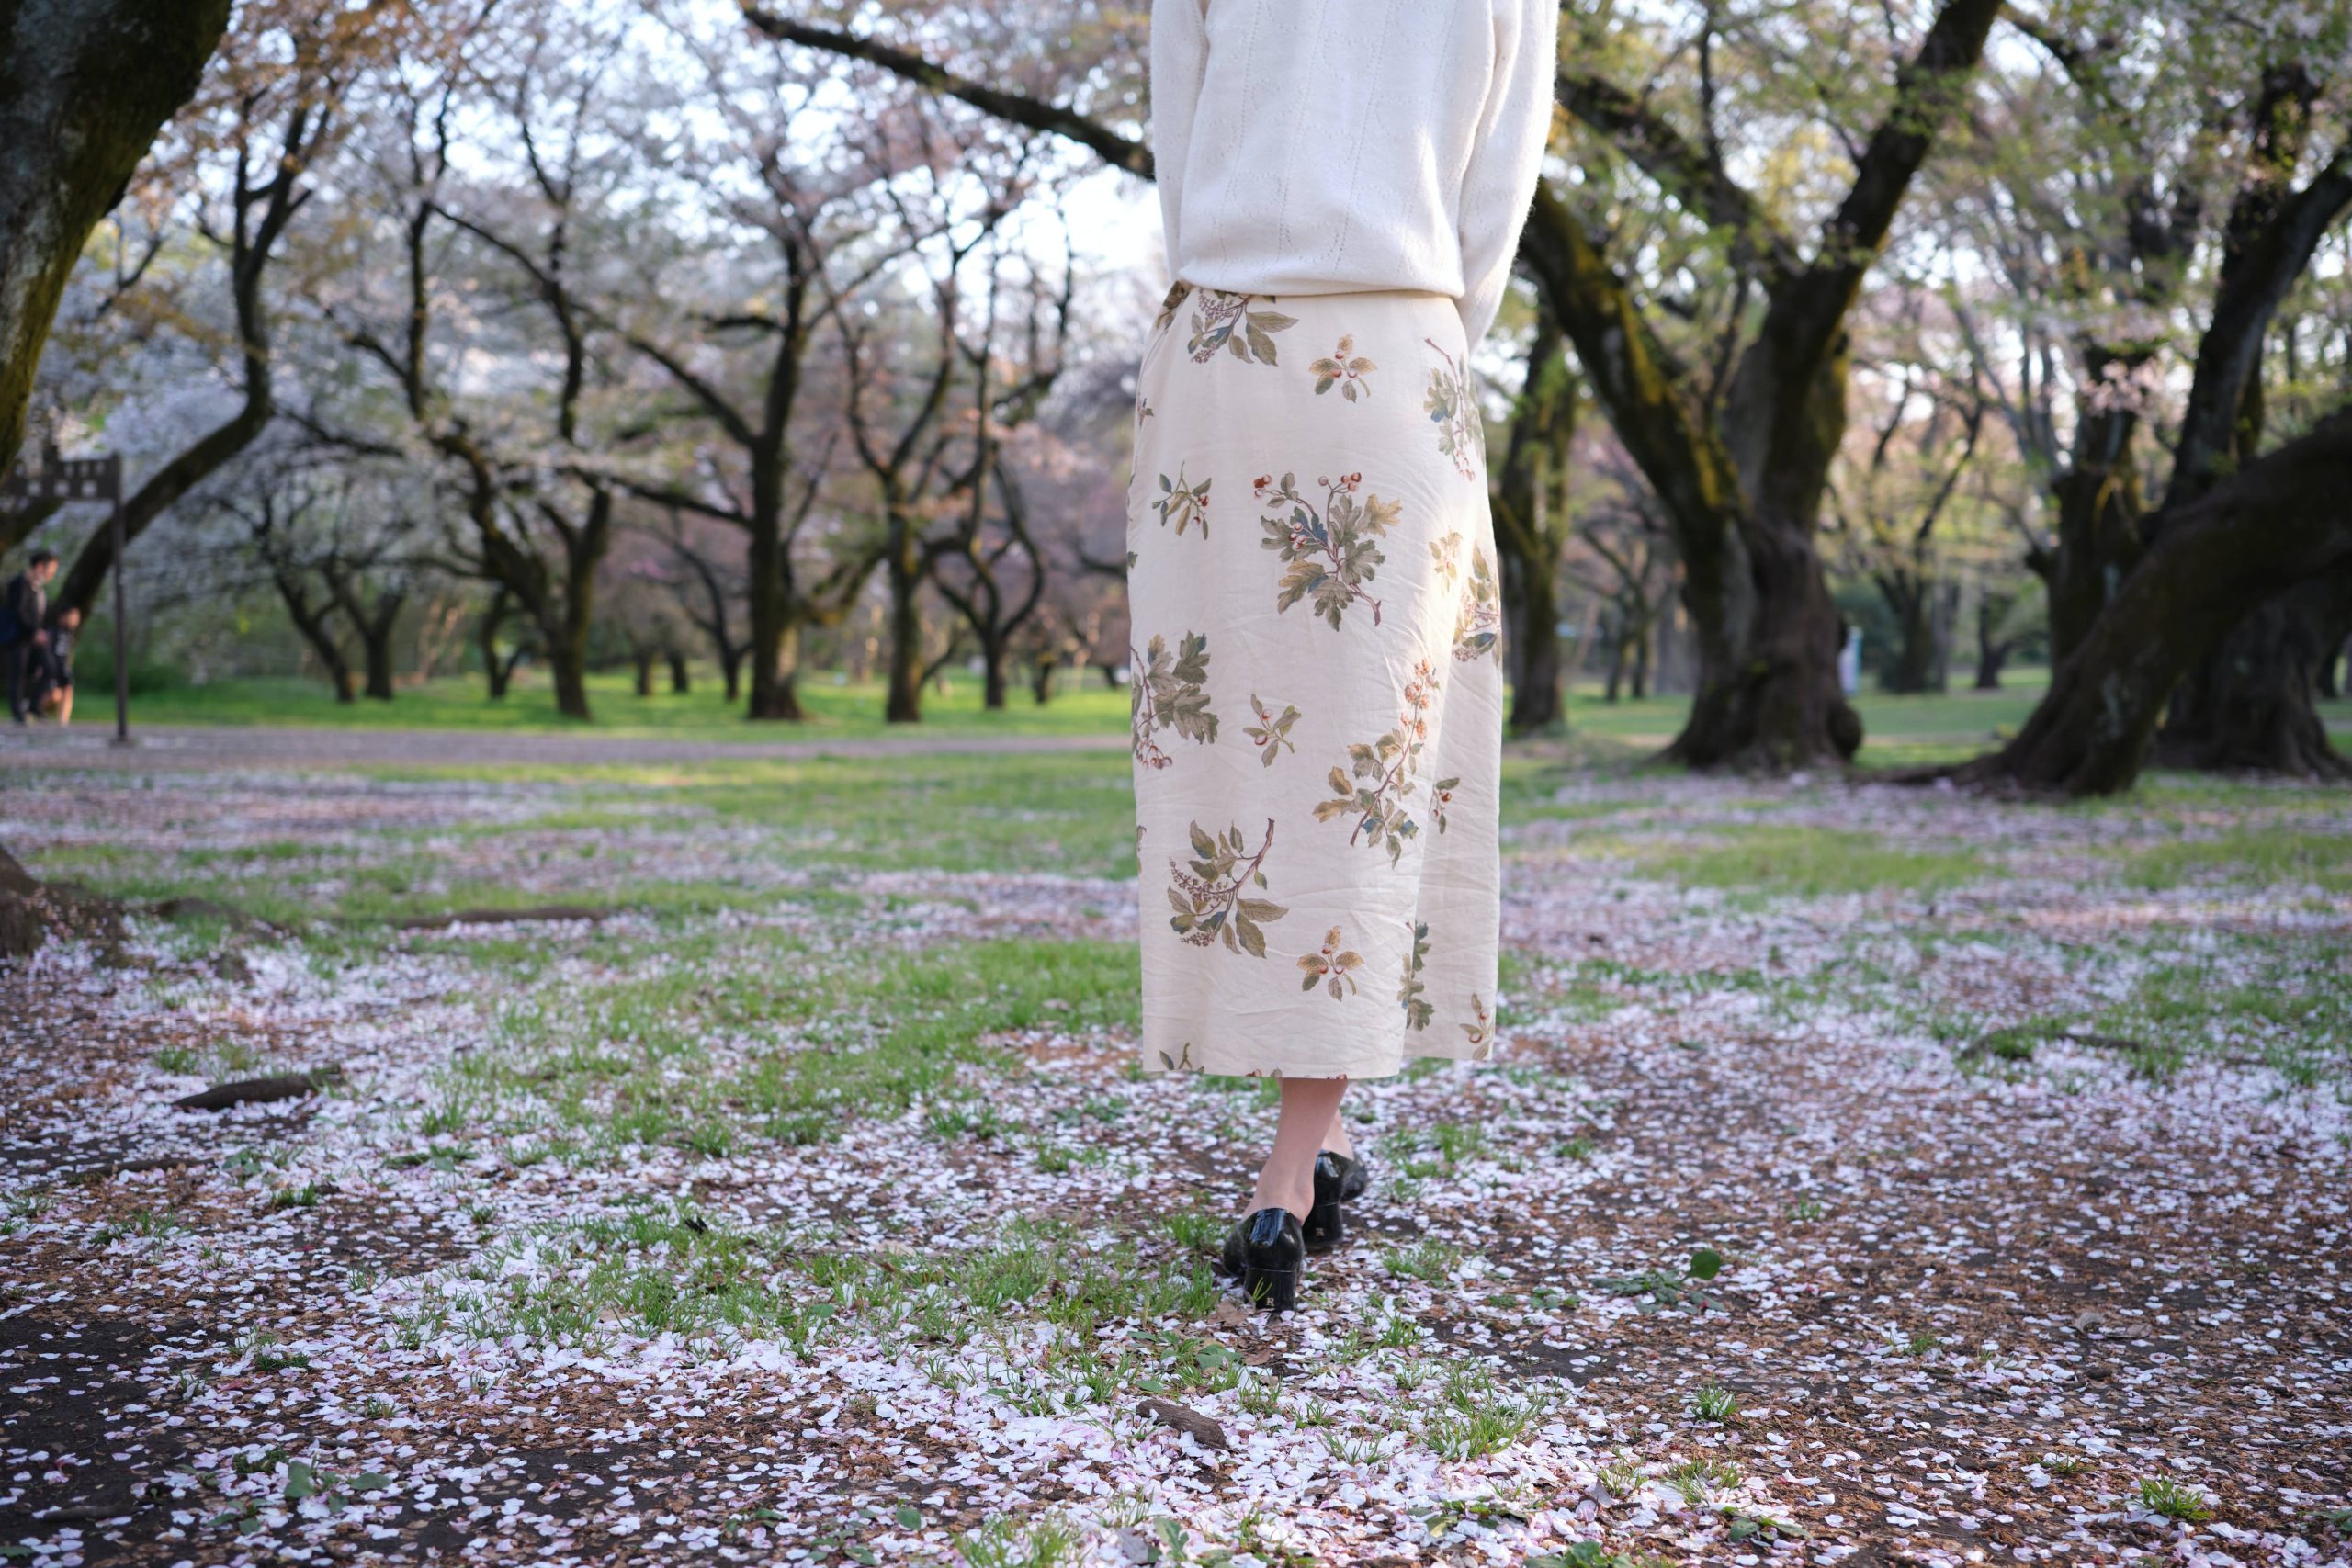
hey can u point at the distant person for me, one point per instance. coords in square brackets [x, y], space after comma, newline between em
[1312, 569]
[54, 668]
[24, 605]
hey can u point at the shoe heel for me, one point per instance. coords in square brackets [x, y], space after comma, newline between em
[1325, 1228]
[1273, 1289]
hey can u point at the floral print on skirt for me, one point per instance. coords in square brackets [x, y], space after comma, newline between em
[1318, 691]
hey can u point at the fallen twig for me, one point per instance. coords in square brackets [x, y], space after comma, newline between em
[258, 1091]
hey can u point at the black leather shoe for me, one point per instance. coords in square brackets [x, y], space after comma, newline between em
[1338, 1179]
[1267, 1254]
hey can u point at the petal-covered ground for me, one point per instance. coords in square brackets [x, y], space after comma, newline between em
[1872, 1174]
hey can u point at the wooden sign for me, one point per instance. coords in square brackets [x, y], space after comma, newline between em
[62, 479]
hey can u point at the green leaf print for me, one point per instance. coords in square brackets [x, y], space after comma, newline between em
[1345, 369]
[1169, 694]
[1480, 1030]
[1332, 968]
[1478, 622]
[1271, 734]
[1453, 406]
[1410, 993]
[1183, 503]
[1177, 293]
[1330, 553]
[1229, 322]
[1379, 795]
[1207, 896]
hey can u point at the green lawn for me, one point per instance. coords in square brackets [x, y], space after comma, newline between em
[1899, 730]
[1080, 708]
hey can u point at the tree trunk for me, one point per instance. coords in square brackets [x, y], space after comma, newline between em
[2099, 529]
[86, 85]
[730, 667]
[569, 668]
[567, 657]
[775, 691]
[775, 633]
[993, 680]
[1532, 530]
[1767, 679]
[1040, 683]
[643, 660]
[584, 550]
[1992, 651]
[1537, 677]
[318, 632]
[2249, 705]
[1913, 668]
[681, 679]
[494, 668]
[904, 703]
[375, 629]
[376, 644]
[2277, 523]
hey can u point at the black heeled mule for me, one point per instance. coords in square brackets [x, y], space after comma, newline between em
[1338, 1179]
[1267, 1253]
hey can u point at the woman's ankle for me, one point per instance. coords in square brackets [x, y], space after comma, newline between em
[1281, 1190]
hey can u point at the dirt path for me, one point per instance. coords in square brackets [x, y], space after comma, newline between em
[226, 748]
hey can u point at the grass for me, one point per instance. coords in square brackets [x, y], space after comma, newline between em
[665, 1268]
[762, 829]
[459, 703]
[818, 1038]
[2175, 1499]
[2278, 858]
[1899, 730]
[1808, 861]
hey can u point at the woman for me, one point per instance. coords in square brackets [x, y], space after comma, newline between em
[1318, 706]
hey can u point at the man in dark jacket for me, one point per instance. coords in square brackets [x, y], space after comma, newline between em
[24, 605]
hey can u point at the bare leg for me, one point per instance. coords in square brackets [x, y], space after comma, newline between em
[1286, 1181]
[1337, 1139]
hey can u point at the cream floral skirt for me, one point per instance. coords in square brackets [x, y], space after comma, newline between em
[1317, 696]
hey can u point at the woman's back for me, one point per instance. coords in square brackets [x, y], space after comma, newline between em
[1334, 146]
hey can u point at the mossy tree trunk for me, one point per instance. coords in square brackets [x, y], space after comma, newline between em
[1533, 528]
[498, 669]
[1992, 648]
[904, 571]
[2177, 581]
[2249, 705]
[2283, 520]
[84, 85]
[1742, 478]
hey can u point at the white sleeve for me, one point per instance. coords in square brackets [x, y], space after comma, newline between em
[1514, 125]
[1180, 53]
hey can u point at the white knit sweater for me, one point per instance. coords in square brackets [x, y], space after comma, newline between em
[1340, 146]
